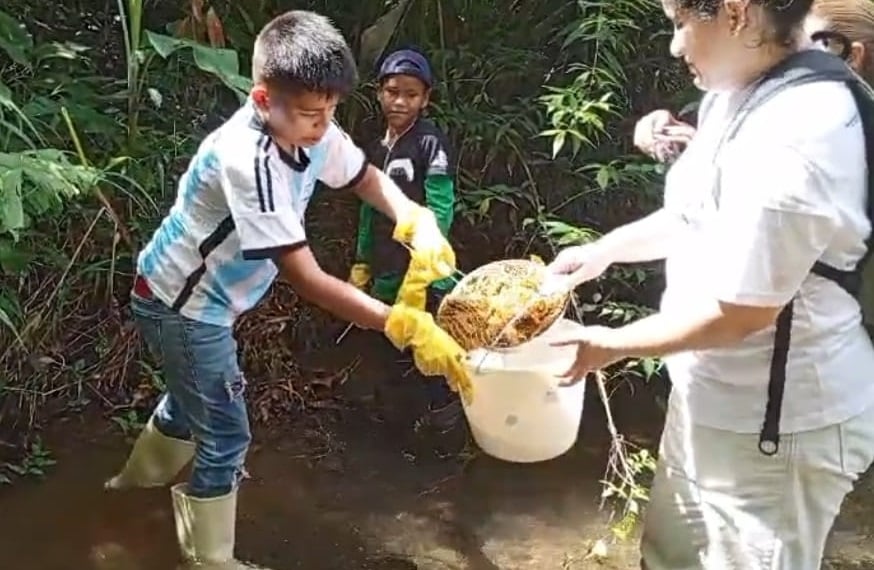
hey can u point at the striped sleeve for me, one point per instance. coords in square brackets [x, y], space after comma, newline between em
[346, 164]
[256, 186]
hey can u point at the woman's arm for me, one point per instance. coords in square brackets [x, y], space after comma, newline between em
[648, 239]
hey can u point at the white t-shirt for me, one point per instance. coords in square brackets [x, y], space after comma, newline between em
[241, 200]
[792, 190]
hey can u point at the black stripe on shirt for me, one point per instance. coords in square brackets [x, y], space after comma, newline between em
[271, 207]
[298, 162]
[207, 246]
[358, 177]
[273, 252]
[258, 184]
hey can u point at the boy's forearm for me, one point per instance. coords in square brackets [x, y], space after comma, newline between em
[378, 190]
[345, 301]
[298, 266]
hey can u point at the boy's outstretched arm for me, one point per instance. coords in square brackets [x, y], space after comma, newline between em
[268, 225]
[378, 190]
[299, 267]
[435, 353]
[415, 225]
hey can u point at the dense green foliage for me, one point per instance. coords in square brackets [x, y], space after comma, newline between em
[99, 111]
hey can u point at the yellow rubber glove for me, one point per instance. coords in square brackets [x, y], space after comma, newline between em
[359, 275]
[435, 353]
[419, 230]
[414, 288]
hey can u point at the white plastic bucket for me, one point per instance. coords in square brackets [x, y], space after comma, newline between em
[519, 413]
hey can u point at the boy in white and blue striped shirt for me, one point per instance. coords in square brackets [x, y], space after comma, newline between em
[237, 223]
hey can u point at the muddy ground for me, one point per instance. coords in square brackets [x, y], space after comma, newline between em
[356, 488]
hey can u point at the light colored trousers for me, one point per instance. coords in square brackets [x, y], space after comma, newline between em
[717, 503]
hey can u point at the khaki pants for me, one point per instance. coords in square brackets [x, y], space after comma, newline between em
[717, 503]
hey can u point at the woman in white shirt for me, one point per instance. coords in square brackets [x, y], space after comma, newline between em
[792, 191]
[843, 27]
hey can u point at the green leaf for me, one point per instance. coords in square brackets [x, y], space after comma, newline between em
[68, 51]
[557, 144]
[34, 182]
[603, 178]
[649, 367]
[376, 37]
[12, 260]
[15, 40]
[221, 63]
[165, 45]
[11, 208]
[6, 320]
[576, 144]
[224, 64]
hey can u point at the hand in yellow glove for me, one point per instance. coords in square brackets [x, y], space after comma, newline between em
[419, 230]
[414, 288]
[435, 353]
[359, 275]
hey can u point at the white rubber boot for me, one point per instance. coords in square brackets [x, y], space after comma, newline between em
[206, 530]
[154, 460]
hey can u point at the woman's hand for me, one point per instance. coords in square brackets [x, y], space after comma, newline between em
[661, 135]
[594, 353]
[580, 263]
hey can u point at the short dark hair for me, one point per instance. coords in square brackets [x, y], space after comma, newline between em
[304, 51]
[785, 16]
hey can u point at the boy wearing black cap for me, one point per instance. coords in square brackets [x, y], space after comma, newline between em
[414, 152]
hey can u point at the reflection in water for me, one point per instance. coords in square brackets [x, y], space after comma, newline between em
[112, 556]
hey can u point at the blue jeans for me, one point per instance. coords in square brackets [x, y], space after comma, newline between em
[204, 400]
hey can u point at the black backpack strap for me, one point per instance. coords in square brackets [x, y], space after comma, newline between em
[803, 67]
[849, 281]
[769, 436]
